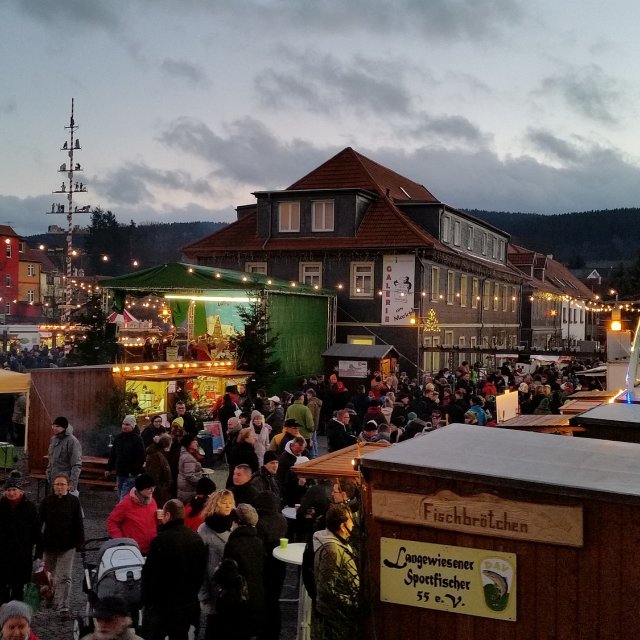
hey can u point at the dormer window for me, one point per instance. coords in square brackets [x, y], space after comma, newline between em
[322, 215]
[446, 222]
[289, 217]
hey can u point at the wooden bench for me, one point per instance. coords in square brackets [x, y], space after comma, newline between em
[92, 473]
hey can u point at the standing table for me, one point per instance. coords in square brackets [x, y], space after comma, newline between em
[293, 555]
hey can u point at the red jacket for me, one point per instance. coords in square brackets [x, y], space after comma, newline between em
[131, 518]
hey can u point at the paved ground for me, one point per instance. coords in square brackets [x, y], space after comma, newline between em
[97, 504]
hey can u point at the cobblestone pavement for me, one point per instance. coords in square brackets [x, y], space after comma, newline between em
[97, 503]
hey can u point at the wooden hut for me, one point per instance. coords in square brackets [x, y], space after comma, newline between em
[478, 533]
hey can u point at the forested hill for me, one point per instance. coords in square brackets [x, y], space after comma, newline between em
[573, 238]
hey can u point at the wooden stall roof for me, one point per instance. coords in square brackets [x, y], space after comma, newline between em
[541, 424]
[338, 463]
[596, 394]
[571, 407]
[576, 467]
[610, 414]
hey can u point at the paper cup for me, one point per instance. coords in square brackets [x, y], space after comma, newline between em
[284, 542]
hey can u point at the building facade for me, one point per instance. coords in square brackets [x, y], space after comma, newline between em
[409, 270]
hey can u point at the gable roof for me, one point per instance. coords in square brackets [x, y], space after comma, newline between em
[350, 169]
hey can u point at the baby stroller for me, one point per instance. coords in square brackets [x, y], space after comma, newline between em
[116, 571]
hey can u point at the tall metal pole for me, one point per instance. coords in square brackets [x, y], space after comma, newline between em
[69, 188]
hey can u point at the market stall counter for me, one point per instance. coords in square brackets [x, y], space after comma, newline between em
[496, 533]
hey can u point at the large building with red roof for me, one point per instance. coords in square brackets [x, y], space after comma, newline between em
[409, 270]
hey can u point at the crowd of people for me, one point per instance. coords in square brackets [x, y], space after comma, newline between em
[209, 549]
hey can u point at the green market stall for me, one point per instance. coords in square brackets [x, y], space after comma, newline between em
[207, 301]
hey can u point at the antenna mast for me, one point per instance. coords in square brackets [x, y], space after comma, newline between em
[69, 188]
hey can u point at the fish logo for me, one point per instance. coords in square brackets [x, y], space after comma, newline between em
[497, 578]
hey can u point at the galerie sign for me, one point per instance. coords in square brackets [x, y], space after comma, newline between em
[398, 273]
[483, 514]
[475, 582]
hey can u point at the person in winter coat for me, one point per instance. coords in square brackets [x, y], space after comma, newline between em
[153, 431]
[338, 437]
[275, 415]
[135, 516]
[265, 478]
[314, 404]
[336, 577]
[127, 456]
[194, 509]
[272, 526]
[173, 455]
[219, 519]
[19, 533]
[15, 621]
[157, 466]
[189, 469]
[62, 534]
[64, 455]
[261, 432]
[172, 576]
[299, 412]
[292, 488]
[246, 548]
[243, 452]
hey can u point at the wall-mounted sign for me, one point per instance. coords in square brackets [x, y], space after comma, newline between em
[352, 368]
[398, 290]
[483, 514]
[474, 582]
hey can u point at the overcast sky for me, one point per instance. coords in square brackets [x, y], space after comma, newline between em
[187, 106]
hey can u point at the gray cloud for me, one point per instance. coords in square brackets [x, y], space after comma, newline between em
[588, 90]
[247, 153]
[553, 146]
[323, 83]
[194, 74]
[8, 106]
[446, 128]
[132, 184]
[77, 13]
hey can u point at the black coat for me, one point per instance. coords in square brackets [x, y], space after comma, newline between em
[63, 527]
[245, 547]
[290, 489]
[337, 436]
[175, 567]
[19, 532]
[127, 454]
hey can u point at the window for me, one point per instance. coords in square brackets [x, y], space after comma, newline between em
[564, 315]
[581, 316]
[31, 296]
[475, 293]
[486, 295]
[473, 343]
[448, 338]
[463, 291]
[31, 269]
[514, 299]
[7, 307]
[361, 280]
[470, 238]
[451, 286]
[456, 233]
[435, 283]
[484, 244]
[256, 267]
[435, 361]
[322, 215]
[446, 221]
[289, 217]
[311, 273]
[21, 246]
[496, 296]
[7, 279]
[8, 250]
[505, 298]
[361, 340]
[462, 356]
[491, 252]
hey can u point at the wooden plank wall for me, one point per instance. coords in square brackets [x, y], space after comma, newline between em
[563, 593]
[76, 393]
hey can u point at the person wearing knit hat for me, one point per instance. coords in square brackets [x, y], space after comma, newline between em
[246, 548]
[193, 515]
[19, 532]
[15, 621]
[64, 455]
[265, 478]
[262, 432]
[135, 516]
[127, 456]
